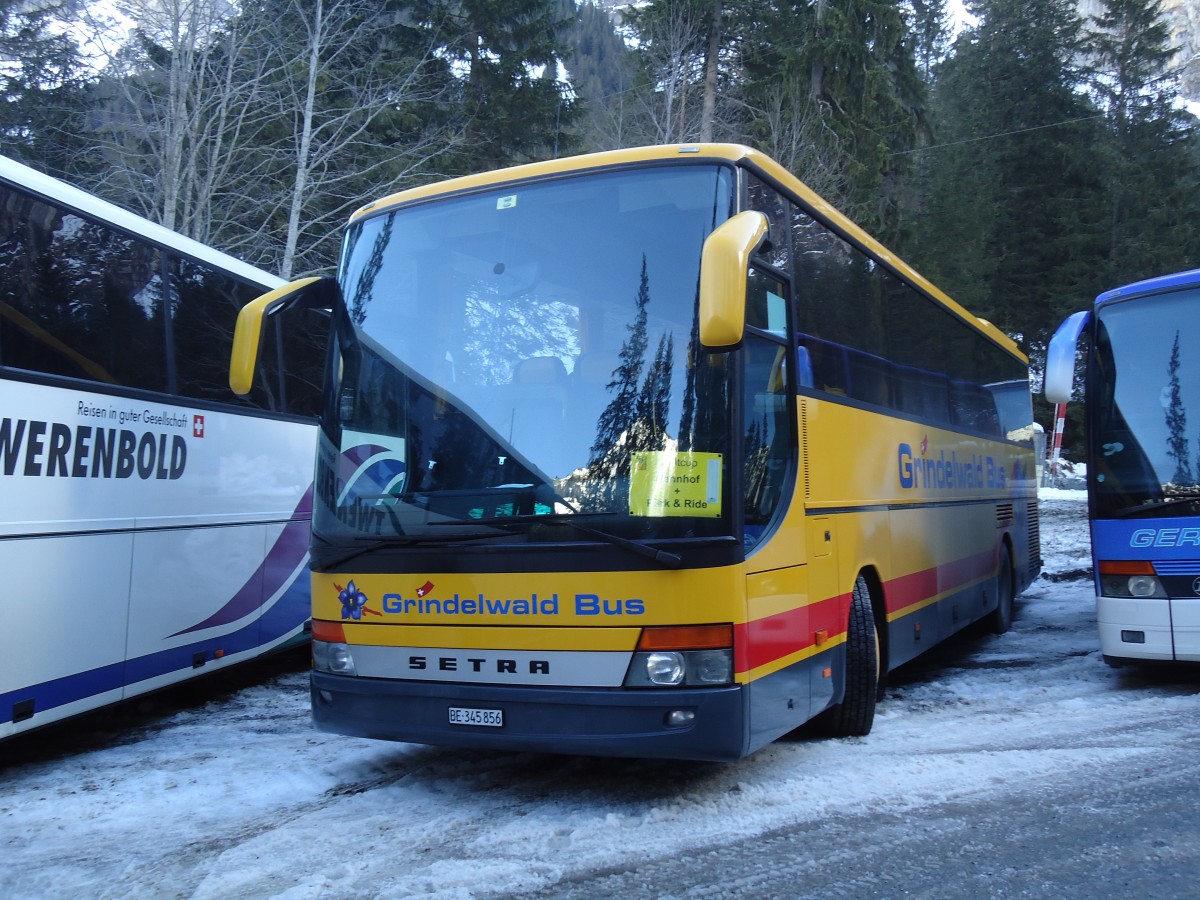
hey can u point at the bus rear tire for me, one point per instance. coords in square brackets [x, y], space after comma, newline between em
[1001, 618]
[856, 713]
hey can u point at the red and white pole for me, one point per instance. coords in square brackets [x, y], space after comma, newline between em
[1060, 419]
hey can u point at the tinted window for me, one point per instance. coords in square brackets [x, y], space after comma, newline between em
[869, 336]
[77, 298]
[767, 436]
[85, 300]
[302, 339]
[768, 201]
[206, 305]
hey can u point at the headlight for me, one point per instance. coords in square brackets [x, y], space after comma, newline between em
[334, 658]
[665, 668]
[1144, 586]
[1129, 579]
[675, 655]
[710, 666]
[674, 668]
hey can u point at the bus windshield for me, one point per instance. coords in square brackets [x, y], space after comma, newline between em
[1146, 454]
[519, 362]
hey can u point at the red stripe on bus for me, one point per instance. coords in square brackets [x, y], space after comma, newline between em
[763, 641]
[907, 590]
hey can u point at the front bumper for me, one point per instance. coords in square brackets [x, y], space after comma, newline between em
[585, 721]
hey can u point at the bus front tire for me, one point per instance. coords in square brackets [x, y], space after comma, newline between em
[856, 713]
[1001, 618]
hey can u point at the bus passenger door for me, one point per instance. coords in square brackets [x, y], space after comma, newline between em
[828, 619]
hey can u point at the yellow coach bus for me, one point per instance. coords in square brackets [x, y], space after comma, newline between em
[645, 453]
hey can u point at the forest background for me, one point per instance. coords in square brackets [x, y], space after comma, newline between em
[1024, 162]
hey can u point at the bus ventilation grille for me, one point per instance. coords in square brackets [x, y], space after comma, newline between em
[804, 449]
[1035, 538]
[1004, 515]
[1177, 566]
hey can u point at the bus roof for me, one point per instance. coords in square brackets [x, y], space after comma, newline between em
[733, 153]
[1173, 282]
[60, 193]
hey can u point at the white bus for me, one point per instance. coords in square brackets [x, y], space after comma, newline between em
[1141, 375]
[152, 527]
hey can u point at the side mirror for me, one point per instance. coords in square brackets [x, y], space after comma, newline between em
[1060, 357]
[307, 293]
[723, 267]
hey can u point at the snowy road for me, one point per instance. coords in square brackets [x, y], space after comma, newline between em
[1017, 765]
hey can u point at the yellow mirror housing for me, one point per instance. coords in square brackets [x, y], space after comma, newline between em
[723, 268]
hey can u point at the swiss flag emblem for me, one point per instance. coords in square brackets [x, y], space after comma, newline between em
[198, 426]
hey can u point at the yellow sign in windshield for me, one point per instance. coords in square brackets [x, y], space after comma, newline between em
[669, 483]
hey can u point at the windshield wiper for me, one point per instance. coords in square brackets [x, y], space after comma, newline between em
[1130, 511]
[663, 557]
[366, 545]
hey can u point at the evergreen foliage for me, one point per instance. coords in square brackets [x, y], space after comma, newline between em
[1152, 180]
[852, 99]
[932, 31]
[42, 88]
[505, 55]
[601, 67]
[1176, 415]
[1013, 192]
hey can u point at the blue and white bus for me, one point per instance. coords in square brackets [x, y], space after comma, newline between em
[152, 527]
[1141, 379]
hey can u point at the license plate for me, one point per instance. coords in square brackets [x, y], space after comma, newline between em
[463, 716]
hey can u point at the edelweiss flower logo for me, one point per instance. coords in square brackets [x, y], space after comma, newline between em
[354, 602]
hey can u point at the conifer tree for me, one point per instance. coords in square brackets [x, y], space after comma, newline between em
[42, 88]
[617, 424]
[931, 30]
[1177, 443]
[1153, 178]
[1014, 181]
[601, 69]
[505, 55]
[849, 76]
[654, 399]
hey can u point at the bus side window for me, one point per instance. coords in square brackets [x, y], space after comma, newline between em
[78, 298]
[766, 417]
[304, 344]
[765, 435]
[206, 308]
[764, 198]
[804, 367]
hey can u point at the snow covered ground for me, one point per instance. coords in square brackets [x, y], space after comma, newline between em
[226, 791]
